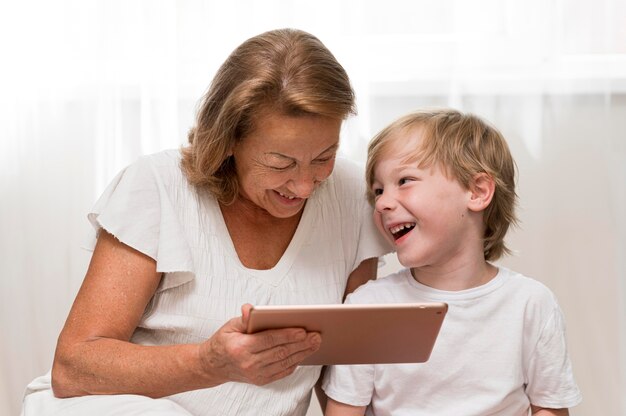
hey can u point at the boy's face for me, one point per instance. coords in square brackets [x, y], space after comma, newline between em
[420, 211]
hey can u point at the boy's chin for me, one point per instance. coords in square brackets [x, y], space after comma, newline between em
[406, 262]
[409, 261]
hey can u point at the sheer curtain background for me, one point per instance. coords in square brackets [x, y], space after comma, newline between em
[88, 86]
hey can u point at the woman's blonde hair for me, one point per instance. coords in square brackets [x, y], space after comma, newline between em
[285, 70]
[464, 145]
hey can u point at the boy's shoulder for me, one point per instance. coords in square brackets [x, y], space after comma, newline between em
[532, 296]
[517, 282]
[508, 284]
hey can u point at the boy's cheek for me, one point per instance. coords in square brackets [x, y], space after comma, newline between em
[381, 228]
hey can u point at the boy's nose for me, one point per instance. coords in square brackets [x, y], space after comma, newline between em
[384, 202]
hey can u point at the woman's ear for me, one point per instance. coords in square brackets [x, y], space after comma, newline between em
[482, 188]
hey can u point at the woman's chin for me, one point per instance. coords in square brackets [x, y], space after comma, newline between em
[283, 207]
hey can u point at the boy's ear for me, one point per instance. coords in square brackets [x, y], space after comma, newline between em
[482, 188]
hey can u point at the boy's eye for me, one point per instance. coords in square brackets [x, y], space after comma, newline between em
[403, 181]
[377, 191]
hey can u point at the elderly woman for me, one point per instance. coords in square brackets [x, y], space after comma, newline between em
[256, 210]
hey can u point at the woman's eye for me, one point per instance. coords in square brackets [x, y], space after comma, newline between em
[323, 160]
[281, 168]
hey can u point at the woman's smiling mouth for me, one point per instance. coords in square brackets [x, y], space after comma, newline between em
[287, 196]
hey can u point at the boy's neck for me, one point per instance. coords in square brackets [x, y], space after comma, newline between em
[455, 278]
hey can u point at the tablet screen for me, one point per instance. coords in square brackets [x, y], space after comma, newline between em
[360, 334]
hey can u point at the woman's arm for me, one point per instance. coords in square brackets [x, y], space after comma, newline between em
[540, 411]
[334, 408]
[94, 355]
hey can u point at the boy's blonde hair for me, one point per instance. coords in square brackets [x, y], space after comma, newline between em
[463, 145]
[284, 70]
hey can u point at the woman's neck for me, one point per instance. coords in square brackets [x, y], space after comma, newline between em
[259, 238]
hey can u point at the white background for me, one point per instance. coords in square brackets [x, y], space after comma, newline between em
[87, 86]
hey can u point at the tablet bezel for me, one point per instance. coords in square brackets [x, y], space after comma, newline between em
[359, 333]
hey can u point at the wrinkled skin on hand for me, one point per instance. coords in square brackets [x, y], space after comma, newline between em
[259, 358]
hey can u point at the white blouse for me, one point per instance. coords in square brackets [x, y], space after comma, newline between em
[151, 207]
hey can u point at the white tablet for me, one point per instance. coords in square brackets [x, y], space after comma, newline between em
[360, 334]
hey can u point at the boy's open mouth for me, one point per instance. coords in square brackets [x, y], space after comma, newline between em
[401, 229]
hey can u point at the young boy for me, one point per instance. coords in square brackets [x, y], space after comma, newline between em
[443, 187]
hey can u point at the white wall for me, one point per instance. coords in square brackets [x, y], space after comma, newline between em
[86, 86]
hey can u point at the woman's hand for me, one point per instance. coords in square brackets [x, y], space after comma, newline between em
[261, 358]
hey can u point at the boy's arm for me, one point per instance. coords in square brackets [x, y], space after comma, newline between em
[334, 408]
[540, 411]
[319, 392]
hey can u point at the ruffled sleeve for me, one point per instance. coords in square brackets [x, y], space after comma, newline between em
[141, 207]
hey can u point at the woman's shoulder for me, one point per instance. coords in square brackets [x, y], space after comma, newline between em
[161, 169]
[165, 160]
[383, 289]
[348, 169]
[347, 180]
[144, 207]
[165, 157]
[151, 181]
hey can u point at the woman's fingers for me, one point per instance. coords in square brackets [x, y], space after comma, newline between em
[289, 354]
[281, 360]
[258, 358]
[283, 357]
[272, 338]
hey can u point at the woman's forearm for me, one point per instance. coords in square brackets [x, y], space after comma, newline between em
[109, 366]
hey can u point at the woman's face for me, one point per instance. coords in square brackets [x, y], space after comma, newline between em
[284, 159]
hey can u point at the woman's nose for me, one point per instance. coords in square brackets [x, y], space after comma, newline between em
[304, 183]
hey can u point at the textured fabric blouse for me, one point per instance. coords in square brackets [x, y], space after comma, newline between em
[151, 207]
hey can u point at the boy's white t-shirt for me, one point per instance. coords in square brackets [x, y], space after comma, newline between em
[501, 347]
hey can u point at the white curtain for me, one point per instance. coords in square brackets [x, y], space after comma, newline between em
[87, 86]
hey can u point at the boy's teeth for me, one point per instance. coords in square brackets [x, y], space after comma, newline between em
[397, 228]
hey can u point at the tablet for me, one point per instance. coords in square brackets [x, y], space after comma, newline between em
[360, 334]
